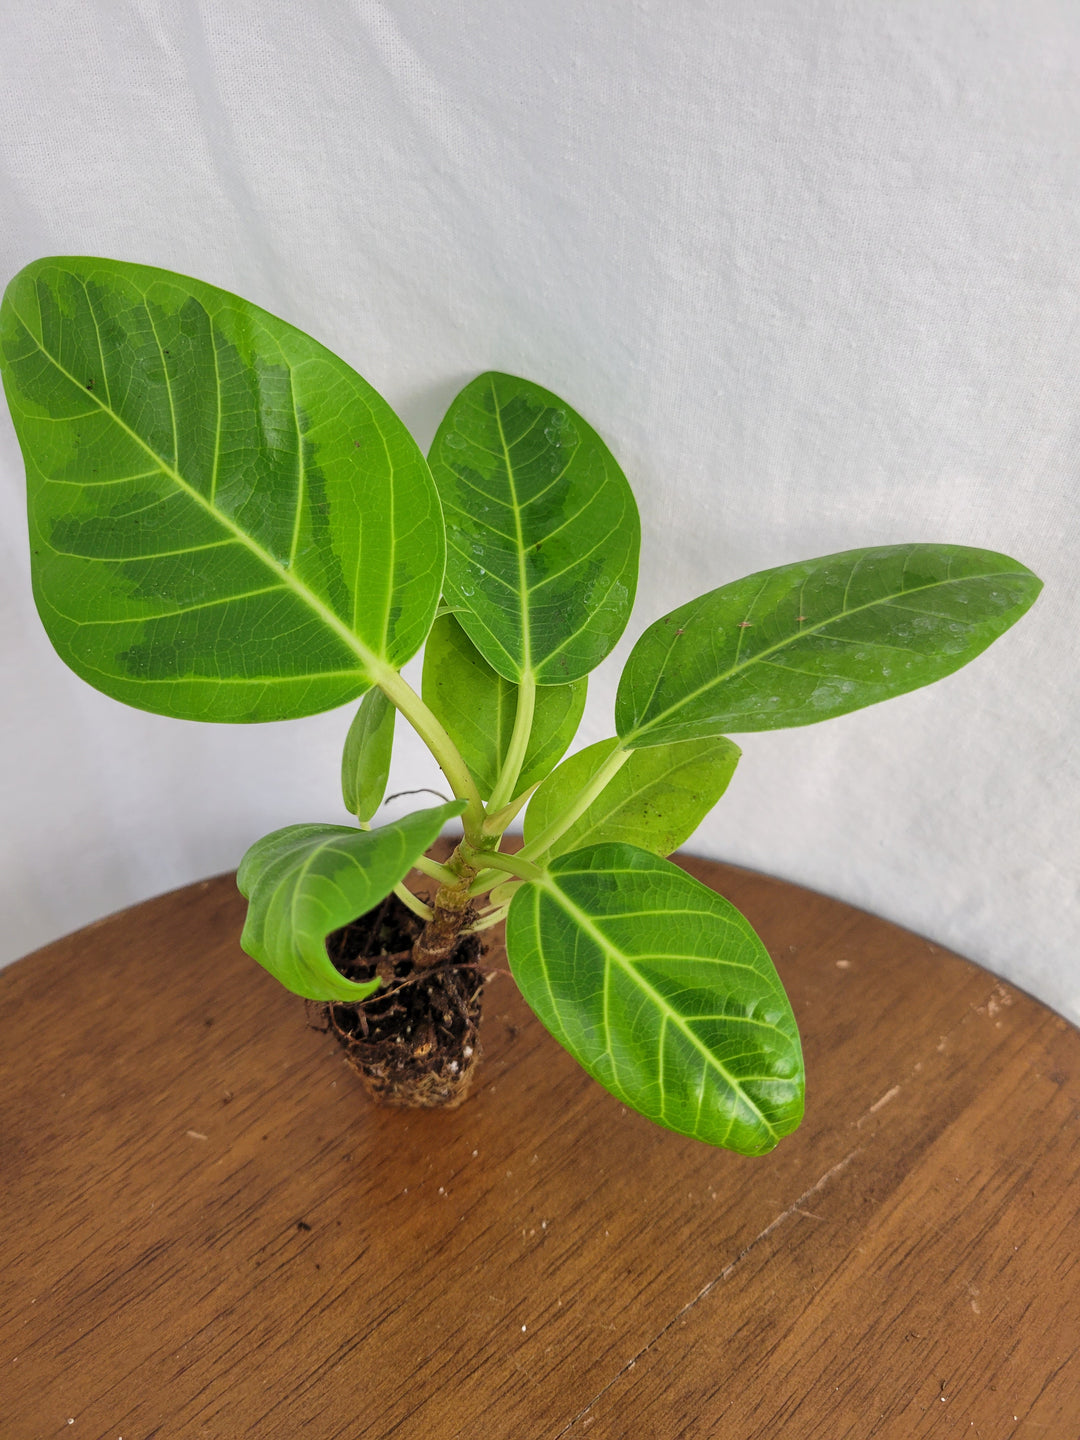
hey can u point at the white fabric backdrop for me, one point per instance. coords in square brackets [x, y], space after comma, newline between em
[811, 269]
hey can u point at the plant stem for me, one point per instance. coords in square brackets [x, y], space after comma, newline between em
[509, 889]
[435, 871]
[495, 824]
[451, 911]
[486, 921]
[400, 693]
[521, 869]
[559, 826]
[492, 880]
[414, 903]
[519, 743]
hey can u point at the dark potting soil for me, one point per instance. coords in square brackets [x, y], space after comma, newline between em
[414, 1042]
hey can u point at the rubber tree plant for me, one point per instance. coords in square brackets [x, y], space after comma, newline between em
[227, 523]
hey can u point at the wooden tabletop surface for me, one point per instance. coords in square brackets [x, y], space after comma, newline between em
[209, 1232]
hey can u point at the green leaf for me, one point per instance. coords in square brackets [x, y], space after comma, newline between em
[365, 761]
[227, 522]
[542, 530]
[806, 642]
[656, 801]
[306, 881]
[477, 708]
[662, 991]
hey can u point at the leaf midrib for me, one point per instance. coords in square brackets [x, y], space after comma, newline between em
[523, 588]
[370, 660]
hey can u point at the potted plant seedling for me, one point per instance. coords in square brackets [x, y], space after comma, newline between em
[228, 524]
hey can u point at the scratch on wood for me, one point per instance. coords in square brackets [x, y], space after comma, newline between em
[797, 1207]
[880, 1104]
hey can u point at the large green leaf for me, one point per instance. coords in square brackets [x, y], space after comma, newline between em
[227, 522]
[365, 759]
[656, 800]
[662, 991]
[542, 530]
[306, 881]
[477, 707]
[806, 642]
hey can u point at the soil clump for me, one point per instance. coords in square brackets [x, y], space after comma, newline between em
[414, 1042]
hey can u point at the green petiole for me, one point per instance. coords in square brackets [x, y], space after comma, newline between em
[519, 743]
[558, 827]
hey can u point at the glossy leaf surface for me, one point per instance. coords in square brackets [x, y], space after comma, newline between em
[478, 707]
[305, 881]
[656, 800]
[805, 642]
[662, 991]
[542, 530]
[227, 522]
[365, 760]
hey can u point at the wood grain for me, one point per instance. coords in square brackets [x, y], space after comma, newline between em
[208, 1231]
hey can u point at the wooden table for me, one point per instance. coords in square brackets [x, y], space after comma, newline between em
[209, 1232]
